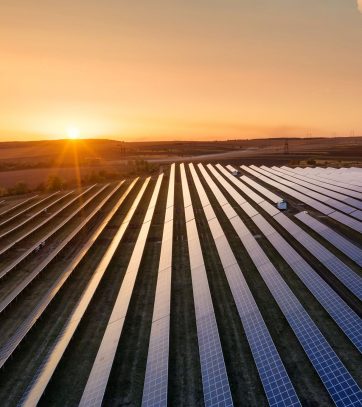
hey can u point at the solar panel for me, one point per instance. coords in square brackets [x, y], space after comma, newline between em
[270, 195]
[215, 382]
[28, 208]
[275, 380]
[8, 348]
[45, 221]
[322, 189]
[339, 383]
[320, 174]
[310, 191]
[4, 303]
[43, 375]
[338, 241]
[156, 376]
[7, 211]
[344, 316]
[340, 217]
[344, 274]
[317, 181]
[98, 378]
[346, 220]
[301, 197]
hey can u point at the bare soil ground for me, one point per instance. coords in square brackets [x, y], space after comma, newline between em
[33, 162]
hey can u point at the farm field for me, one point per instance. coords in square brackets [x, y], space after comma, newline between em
[34, 161]
[204, 285]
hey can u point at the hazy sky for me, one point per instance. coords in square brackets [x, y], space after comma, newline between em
[156, 69]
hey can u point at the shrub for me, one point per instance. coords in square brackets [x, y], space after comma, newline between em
[55, 183]
[20, 188]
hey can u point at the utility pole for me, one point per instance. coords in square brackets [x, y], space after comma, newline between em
[286, 146]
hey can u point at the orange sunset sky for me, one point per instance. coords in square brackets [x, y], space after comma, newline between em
[206, 69]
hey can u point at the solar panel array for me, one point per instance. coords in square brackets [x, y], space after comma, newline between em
[320, 189]
[8, 348]
[156, 376]
[270, 195]
[344, 245]
[29, 208]
[18, 205]
[313, 203]
[98, 378]
[275, 380]
[336, 266]
[315, 181]
[44, 373]
[45, 221]
[331, 177]
[51, 256]
[334, 375]
[331, 202]
[79, 228]
[215, 381]
[344, 316]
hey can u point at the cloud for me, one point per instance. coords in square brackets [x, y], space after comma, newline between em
[359, 5]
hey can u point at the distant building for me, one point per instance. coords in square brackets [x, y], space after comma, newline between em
[282, 205]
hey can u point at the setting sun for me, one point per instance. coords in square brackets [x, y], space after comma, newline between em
[73, 133]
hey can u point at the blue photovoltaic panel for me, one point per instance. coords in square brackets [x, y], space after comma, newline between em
[333, 199]
[24, 254]
[264, 191]
[334, 177]
[344, 274]
[275, 380]
[28, 208]
[318, 188]
[7, 300]
[351, 201]
[338, 241]
[156, 376]
[43, 375]
[10, 345]
[326, 210]
[319, 206]
[344, 316]
[346, 220]
[98, 378]
[339, 383]
[215, 382]
[306, 172]
[333, 203]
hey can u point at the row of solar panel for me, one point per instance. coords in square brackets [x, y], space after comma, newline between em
[341, 243]
[317, 181]
[156, 375]
[11, 344]
[315, 204]
[45, 371]
[275, 380]
[344, 316]
[216, 389]
[46, 221]
[323, 191]
[315, 345]
[98, 378]
[342, 177]
[314, 192]
[29, 208]
[16, 291]
[263, 345]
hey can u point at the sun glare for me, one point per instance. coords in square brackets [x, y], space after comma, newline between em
[73, 133]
